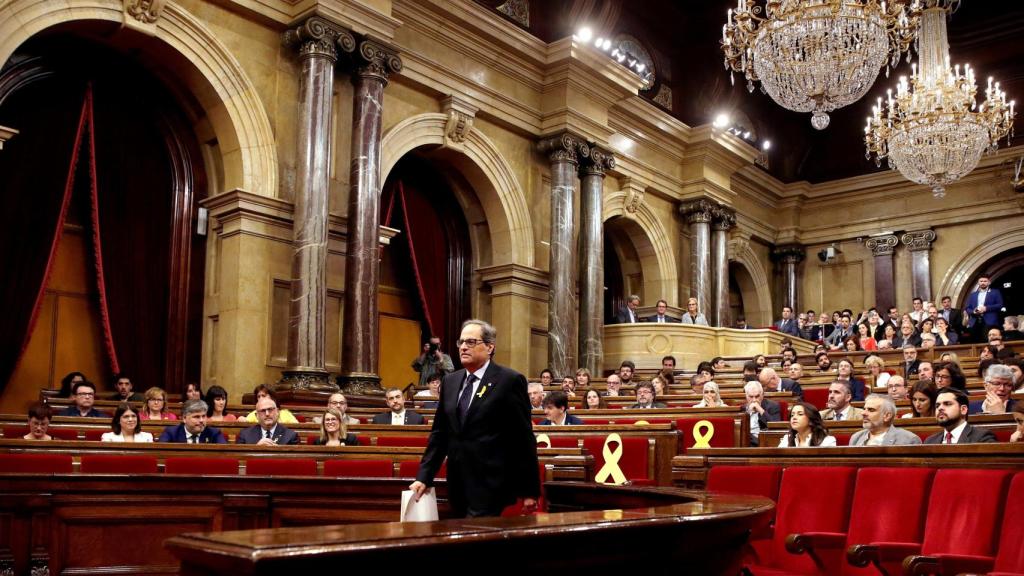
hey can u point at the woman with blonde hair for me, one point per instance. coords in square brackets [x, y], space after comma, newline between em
[334, 431]
[712, 397]
[582, 379]
[876, 366]
[155, 407]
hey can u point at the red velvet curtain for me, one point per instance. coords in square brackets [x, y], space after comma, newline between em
[34, 185]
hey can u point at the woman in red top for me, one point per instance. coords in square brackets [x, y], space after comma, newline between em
[867, 340]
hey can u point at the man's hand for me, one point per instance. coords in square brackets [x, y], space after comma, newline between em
[1016, 436]
[755, 407]
[418, 488]
[438, 354]
[529, 505]
[993, 404]
[267, 442]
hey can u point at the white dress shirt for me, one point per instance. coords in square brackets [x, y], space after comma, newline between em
[398, 418]
[956, 432]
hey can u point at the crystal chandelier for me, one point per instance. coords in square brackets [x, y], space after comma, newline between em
[817, 55]
[933, 130]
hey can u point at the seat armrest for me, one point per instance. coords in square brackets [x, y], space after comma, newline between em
[810, 541]
[961, 563]
[920, 565]
[879, 553]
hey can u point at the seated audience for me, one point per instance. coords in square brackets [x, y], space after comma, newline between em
[907, 336]
[944, 336]
[535, 391]
[927, 340]
[761, 410]
[593, 401]
[949, 374]
[950, 357]
[397, 415]
[339, 403]
[546, 377]
[852, 344]
[876, 366]
[660, 317]
[840, 334]
[796, 372]
[660, 385]
[285, 415]
[771, 382]
[761, 361]
[878, 416]
[750, 371]
[556, 408]
[910, 361]
[193, 428]
[67, 383]
[897, 387]
[839, 407]
[155, 406]
[789, 353]
[806, 428]
[268, 432]
[612, 385]
[1011, 328]
[866, 338]
[124, 427]
[217, 399]
[925, 370]
[84, 396]
[646, 397]
[582, 379]
[193, 391]
[987, 353]
[844, 373]
[711, 397]
[669, 363]
[668, 376]
[823, 361]
[922, 400]
[741, 323]
[995, 338]
[1016, 366]
[951, 406]
[334, 431]
[39, 415]
[124, 390]
[433, 390]
[1018, 419]
[692, 315]
[787, 324]
[626, 370]
[569, 386]
[998, 387]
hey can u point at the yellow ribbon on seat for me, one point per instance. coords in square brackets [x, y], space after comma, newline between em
[704, 435]
[611, 463]
[543, 439]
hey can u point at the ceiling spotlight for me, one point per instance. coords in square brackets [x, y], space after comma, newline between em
[585, 34]
[721, 121]
[640, 67]
[746, 135]
[607, 44]
[766, 145]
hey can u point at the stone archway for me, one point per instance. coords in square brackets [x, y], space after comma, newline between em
[956, 282]
[657, 261]
[753, 283]
[497, 188]
[216, 79]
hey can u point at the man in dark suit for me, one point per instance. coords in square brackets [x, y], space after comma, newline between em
[660, 317]
[482, 425]
[982, 308]
[628, 313]
[556, 408]
[954, 316]
[268, 432]
[788, 324]
[998, 387]
[84, 395]
[193, 428]
[951, 407]
[760, 410]
[771, 382]
[397, 414]
[646, 397]
[124, 387]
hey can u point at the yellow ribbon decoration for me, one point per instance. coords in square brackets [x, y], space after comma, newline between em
[543, 439]
[703, 438]
[613, 514]
[641, 423]
[611, 463]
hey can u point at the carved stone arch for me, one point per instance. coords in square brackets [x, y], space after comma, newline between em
[757, 310]
[956, 282]
[661, 277]
[217, 80]
[497, 188]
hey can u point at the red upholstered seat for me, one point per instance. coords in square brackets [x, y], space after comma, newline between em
[359, 468]
[818, 397]
[750, 480]
[811, 499]
[594, 421]
[636, 460]
[102, 464]
[1010, 557]
[15, 431]
[542, 505]
[56, 433]
[721, 435]
[364, 440]
[842, 438]
[280, 467]
[35, 463]
[1003, 434]
[205, 466]
[407, 441]
[94, 434]
[409, 468]
[783, 409]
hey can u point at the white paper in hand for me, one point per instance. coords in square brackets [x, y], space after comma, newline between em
[423, 511]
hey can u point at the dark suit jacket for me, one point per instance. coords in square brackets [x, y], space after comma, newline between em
[789, 385]
[621, 318]
[993, 302]
[253, 434]
[350, 440]
[913, 340]
[668, 319]
[209, 435]
[970, 435]
[975, 407]
[411, 417]
[656, 404]
[790, 328]
[492, 455]
[73, 411]
[135, 397]
[955, 320]
[772, 413]
[569, 419]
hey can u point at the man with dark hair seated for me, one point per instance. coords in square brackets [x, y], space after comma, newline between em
[626, 370]
[951, 407]
[823, 361]
[397, 414]
[646, 397]
[750, 371]
[193, 429]
[38, 422]
[84, 395]
[839, 408]
[556, 408]
[124, 390]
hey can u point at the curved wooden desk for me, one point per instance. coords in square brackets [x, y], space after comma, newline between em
[658, 530]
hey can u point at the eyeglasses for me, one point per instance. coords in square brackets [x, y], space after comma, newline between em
[469, 342]
[85, 394]
[1000, 384]
[336, 403]
[267, 410]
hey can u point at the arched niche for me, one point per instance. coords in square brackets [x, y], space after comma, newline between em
[959, 279]
[650, 240]
[752, 280]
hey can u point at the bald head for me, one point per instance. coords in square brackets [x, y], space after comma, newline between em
[768, 378]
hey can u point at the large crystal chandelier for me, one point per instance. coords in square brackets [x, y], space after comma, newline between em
[817, 55]
[933, 130]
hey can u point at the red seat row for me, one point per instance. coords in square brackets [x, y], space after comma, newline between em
[841, 520]
[636, 459]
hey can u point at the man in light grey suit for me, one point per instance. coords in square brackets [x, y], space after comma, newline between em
[879, 414]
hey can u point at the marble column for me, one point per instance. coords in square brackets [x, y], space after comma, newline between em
[698, 214]
[590, 348]
[882, 247]
[564, 152]
[920, 245]
[789, 256]
[360, 329]
[319, 42]
[723, 220]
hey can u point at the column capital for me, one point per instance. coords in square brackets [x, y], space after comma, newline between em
[564, 147]
[597, 162]
[698, 211]
[317, 36]
[919, 240]
[789, 253]
[882, 245]
[377, 59]
[723, 218]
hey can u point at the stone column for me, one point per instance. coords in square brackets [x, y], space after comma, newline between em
[885, 282]
[319, 42]
[591, 323]
[563, 151]
[789, 255]
[698, 214]
[920, 245]
[723, 220]
[360, 330]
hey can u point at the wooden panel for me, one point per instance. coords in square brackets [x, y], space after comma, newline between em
[399, 345]
[72, 267]
[841, 284]
[79, 342]
[33, 369]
